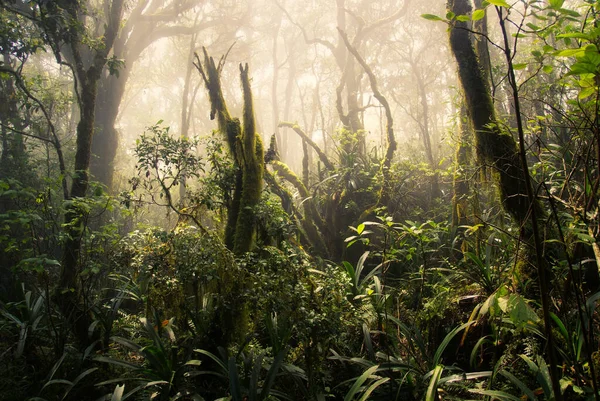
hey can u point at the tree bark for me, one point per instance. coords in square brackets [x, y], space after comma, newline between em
[494, 147]
[246, 149]
[70, 296]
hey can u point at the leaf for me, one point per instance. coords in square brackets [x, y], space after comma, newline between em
[477, 15]
[117, 395]
[433, 383]
[372, 387]
[442, 347]
[556, 4]
[270, 379]
[575, 35]
[431, 17]
[519, 384]
[548, 69]
[520, 313]
[359, 382]
[571, 13]
[234, 380]
[587, 92]
[570, 52]
[498, 395]
[498, 3]
[519, 66]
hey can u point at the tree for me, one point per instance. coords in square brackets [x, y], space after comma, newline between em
[348, 94]
[86, 54]
[246, 150]
[148, 22]
[500, 149]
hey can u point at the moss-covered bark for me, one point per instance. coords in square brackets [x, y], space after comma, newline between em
[252, 171]
[460, 182]
[495, 147]
[247, 151]
[311, 222]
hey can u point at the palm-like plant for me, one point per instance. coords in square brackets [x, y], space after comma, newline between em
[248, 384]
[414, 372]
[162, 367]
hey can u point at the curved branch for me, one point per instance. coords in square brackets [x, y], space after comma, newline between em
[383, 21]
[323, 42]
[391, 146]
[322, 156]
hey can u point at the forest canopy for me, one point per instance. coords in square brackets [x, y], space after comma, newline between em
[285, 200]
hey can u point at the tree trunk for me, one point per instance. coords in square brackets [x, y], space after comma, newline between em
[247, 151]
[69, 295]
[494, 147]
[104, 147]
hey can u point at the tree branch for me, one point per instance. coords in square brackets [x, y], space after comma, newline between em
[322, 156]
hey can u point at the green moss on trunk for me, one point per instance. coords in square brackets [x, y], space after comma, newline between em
[495, 147]
[247, 151]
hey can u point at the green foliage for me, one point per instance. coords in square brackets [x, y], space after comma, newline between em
[408, 307]
[164, 368]
[164, 162]
[249, 384]
[26, 316]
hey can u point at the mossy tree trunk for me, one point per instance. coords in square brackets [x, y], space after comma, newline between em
[500, 149]
[311, 222]
[462, 207]
[247, 152]
[494, 146]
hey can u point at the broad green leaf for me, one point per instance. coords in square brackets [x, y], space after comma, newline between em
[520, 312]
[570, 52]
[548, 69]
[477, 15]
[431, 17]
[581, 68]
[592, 55]
[585, 93]
[575, 35]
[433, 383]
[571, 13]
[519, 66]
[556, 4]
[498, 3]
